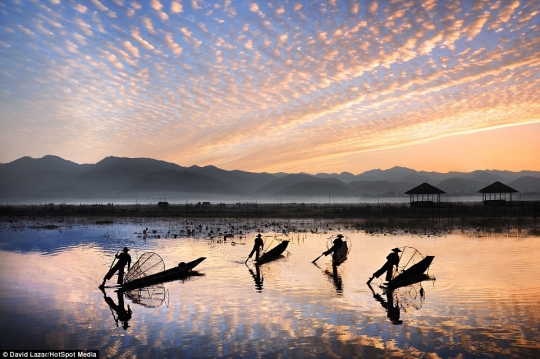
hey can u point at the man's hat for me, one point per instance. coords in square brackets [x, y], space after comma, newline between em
[396, 250]
[126, 249]
[259, 235]
[340, 235]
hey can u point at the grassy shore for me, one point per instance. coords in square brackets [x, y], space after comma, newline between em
[382, 217]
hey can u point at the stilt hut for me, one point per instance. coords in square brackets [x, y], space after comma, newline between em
[496, 194]
[425, 195]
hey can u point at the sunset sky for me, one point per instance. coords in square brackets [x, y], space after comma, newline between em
[293, 86]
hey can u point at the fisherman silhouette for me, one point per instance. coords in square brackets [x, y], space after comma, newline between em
[338, 242]
[391, 260]
[257, 247]
[123, 259]
[121, 313]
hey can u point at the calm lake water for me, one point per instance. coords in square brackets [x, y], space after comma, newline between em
[483, 303]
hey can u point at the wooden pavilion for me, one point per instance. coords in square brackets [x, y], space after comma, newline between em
[424, 195]
[497, 193]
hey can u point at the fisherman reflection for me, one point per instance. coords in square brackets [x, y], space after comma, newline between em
[257, 278]
[122, 314]
[392, 309]
[391, 260]
[338, 282]
[335, 277]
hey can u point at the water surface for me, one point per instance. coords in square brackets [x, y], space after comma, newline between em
[483, 303]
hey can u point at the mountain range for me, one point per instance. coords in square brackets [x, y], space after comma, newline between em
[145, 180]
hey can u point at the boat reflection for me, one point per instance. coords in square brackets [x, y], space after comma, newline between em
[122, 314]
[152, 295]
[257, 277]
[395, 299]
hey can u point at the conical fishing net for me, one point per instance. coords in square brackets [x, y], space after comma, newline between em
[408, 257]
[150, 297]
[149, 263]
[345, 248]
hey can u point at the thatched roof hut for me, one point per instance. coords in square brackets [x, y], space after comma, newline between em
[496, 192]
[424, 194]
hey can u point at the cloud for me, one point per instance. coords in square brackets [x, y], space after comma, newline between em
[176, 7]
[86, 29]
[173, 46]
[156, 5]
[132, 49]
[350, 77]
[148, 24]
[81, 8]
[136, 34]
[504, 15]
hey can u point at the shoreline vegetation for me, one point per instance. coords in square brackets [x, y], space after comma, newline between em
[372, 218]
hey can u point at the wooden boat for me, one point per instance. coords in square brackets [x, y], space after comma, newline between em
[414, 274]
[273, 253]
[168, 275]
[340, 255]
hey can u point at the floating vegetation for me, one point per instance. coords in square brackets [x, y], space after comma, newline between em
[105, 221]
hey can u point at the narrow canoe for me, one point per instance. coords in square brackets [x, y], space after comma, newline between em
[414, 274]
[273, 253]
[165, 276]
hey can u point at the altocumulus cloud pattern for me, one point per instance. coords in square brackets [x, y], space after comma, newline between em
[231, 82]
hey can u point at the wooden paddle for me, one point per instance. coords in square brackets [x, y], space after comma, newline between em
[316, 259]
[114, 260]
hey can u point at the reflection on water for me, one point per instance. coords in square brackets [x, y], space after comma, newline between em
[119, 312]
[334, 277]
[257, 277]
[484, 301]
[151, 297]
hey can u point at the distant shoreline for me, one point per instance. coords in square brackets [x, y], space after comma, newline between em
[368, 216]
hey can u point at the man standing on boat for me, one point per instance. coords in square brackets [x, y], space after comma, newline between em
[391, 260]
[257, 248]
[123, 259]
[338, 242]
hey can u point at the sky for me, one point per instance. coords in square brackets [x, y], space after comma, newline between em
[274, 86]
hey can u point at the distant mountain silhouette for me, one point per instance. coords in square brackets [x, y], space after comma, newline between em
[392, 174]
[380, 188]
[241, 181]
[317, 189]
[461, 186]
[345, 177]
[53, 179]
[526, 184]
[48, 163]
[171, 181]
[284, 182]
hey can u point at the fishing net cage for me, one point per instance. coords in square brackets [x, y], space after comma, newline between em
[409, 297]
[149, 263]
[408, 257]
[346, 241]
[150, 297]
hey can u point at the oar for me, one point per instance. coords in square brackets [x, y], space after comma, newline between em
[316, 259]
[114, 260]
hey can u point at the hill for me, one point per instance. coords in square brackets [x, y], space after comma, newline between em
[53, 179]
